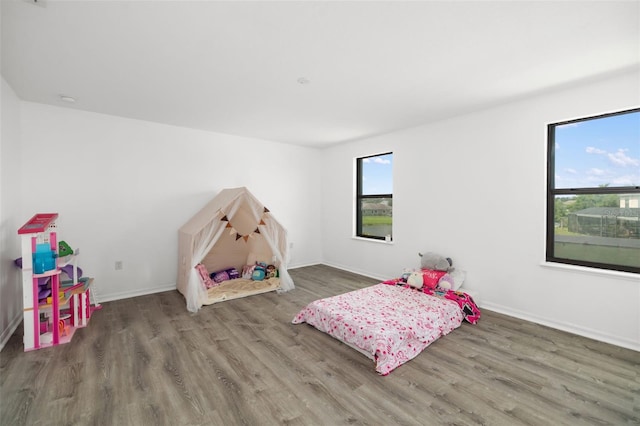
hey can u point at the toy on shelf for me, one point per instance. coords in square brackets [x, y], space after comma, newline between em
[53, 307]
[64, 249]
[44, 259]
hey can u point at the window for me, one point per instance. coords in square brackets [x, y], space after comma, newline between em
[593, 192]
[374, 196]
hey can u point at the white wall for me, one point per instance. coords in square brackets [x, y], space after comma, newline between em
[123, 187]
[10, 280]
[473, 188]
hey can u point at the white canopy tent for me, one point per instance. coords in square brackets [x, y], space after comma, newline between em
[232, 230]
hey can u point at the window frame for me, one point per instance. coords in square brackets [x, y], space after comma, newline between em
[360, 197]
[552, 192]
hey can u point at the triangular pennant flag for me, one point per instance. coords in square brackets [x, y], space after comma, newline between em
[262, 222]
[238, 236]
[233, 231]
[246, 237]
[266, 210]
[224, 218]
[228, 225]
[257, 231]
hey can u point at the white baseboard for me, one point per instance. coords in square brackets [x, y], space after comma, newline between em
[303, 265]
[109, 297]
[564, 326]
[356, 271]
[8, 332]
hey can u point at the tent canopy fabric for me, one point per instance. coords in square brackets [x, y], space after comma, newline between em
[234, 229]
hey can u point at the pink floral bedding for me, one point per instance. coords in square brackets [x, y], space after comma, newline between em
[392, 324]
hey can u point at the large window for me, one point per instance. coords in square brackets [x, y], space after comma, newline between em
[593, 193]
[374, 196]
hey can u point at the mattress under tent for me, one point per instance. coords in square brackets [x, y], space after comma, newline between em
[233, 232]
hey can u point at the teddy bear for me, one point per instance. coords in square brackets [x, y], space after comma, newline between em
[435, 262]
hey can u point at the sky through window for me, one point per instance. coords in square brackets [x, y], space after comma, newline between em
[377, 175]
[596, 152]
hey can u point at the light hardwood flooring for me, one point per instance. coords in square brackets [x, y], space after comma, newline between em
[147, 361]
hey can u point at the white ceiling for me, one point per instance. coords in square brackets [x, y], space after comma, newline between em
[372, 67]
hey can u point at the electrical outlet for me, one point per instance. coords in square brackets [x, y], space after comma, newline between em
[118, 265]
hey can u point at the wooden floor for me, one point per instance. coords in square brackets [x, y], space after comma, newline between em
[147, 361]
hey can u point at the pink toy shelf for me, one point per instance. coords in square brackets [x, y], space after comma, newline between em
[50, 321]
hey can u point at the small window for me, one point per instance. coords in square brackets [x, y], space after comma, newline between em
[374, 197]
[593, 192]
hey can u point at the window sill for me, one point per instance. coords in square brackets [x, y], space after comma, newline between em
[372, 240]
[590, 271]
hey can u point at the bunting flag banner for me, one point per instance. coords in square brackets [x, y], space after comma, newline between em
[233, 231]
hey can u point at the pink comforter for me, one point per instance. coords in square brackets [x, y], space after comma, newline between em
[391, 323]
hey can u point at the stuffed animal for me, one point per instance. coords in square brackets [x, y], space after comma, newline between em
[436, 262]
[446, 282]
[415, 279]
[271, 271]
[247, 271]
[405, 274]
[258, 274]
[259, 271]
